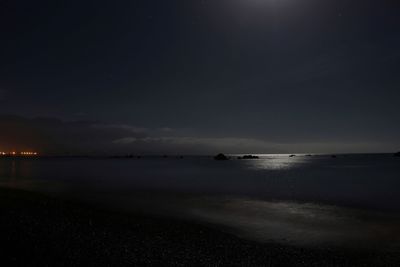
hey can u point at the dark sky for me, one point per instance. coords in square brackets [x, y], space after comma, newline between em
[155, 76]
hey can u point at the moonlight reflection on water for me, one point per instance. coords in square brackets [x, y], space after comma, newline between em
[276, 162]
[302, 223]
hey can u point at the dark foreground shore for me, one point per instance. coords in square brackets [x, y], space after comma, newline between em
[37, 230]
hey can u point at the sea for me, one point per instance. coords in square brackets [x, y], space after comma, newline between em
[350, 200]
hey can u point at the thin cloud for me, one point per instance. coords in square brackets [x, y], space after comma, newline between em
[55, 136]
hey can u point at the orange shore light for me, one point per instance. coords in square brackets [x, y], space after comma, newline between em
[22, 153]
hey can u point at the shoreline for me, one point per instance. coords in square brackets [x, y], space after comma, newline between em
[41, 230]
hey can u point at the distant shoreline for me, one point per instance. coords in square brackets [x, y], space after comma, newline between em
[180, 156]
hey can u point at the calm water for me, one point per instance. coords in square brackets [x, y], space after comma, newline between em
[310, 200]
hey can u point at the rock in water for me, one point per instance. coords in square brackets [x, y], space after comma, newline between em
[221, 157]
[248, 157]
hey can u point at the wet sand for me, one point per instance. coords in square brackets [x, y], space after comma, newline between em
[39, 230]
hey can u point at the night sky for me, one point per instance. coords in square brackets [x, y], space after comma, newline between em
[200, 76]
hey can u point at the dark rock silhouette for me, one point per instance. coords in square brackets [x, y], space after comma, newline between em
[334, 156]
[221, 157]
[291, 156]
[248, 157]
[397, 154]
